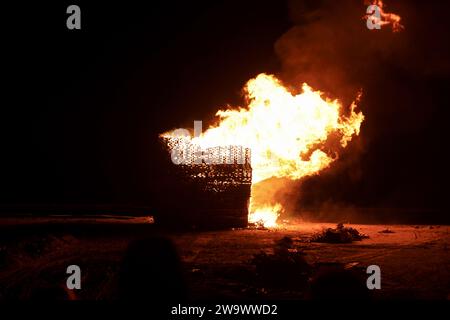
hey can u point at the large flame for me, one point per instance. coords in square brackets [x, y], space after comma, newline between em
[290, 135]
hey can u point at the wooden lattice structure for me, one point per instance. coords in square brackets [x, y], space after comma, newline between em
[211, 186]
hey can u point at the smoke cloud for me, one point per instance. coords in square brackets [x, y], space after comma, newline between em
[330, 48]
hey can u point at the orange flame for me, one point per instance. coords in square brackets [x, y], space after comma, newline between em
[290, 135]
[385, 18]
[266, 215]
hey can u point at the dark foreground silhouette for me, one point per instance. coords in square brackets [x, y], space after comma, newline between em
[151, 271]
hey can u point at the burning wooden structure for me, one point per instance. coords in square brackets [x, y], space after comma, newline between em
[211, 187]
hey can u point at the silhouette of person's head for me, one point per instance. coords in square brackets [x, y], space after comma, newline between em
[338, 284]
[151, 271]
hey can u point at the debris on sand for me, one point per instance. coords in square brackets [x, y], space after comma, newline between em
[259, 225]
[340, 234]
[286, 268]
[386, 231]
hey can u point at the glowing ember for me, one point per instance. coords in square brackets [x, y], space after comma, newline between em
[384, 18]
[266, 216]
[290, 135]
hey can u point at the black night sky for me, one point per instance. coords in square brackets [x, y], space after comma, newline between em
[82, 109]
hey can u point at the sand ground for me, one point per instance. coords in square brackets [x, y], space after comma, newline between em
[414, 260]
